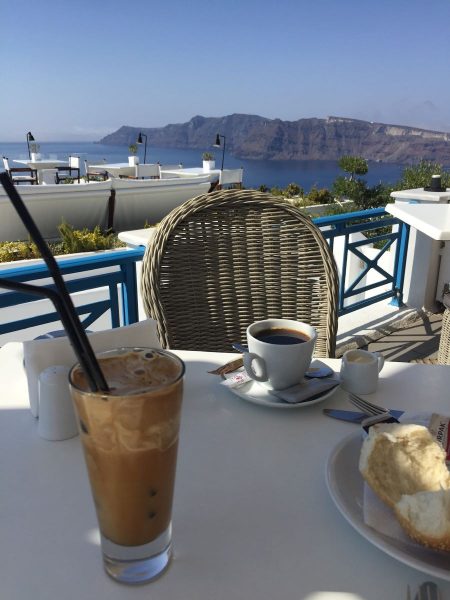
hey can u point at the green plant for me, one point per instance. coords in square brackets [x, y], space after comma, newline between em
[84, 240]
[34, 147]
[72, 241]
[355, 165]
[10, 251]
[293, 189]
[133, 149]
[322, 196]
[346, 188]
[207, 156]
[276, 191]
[364, 197]
[335, 209]
[419, 175]
[376, 196]
[299, 202]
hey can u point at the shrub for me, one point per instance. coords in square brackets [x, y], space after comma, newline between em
[419, 176]
[335, 209]
[322, 196]
[293, 189]
[376, 196]
[72, 241]
[17, 251]
[276, 191]
[346, 188]
[84, 240]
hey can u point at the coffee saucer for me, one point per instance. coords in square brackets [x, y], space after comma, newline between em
[254, 392]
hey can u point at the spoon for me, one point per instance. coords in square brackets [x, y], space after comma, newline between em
[240, 347]
[317, 369]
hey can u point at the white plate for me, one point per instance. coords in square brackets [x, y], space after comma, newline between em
[346, 487]
[257, 394]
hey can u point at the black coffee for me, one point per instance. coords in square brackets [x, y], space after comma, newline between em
[281, 336]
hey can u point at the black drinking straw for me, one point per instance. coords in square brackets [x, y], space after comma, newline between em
[61, 298]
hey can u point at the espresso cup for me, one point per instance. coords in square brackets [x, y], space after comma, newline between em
[359, 371]
[280, 352]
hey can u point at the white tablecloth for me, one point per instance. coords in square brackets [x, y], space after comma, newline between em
[252, 517]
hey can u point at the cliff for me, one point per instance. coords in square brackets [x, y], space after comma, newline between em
[254, 137]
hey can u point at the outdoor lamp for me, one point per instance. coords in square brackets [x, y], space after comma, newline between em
[218, 144]
[139, 141]
[30, 138]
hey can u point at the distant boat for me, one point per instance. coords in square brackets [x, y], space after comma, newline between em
[122, 204]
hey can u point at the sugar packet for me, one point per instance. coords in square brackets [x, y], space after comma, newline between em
[439, 428]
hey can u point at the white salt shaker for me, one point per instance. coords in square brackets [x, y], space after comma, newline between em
[57, 419]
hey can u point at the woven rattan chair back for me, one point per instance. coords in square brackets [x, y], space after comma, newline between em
[443, 357]
[223, 260]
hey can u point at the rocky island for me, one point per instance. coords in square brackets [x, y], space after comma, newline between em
[255, 137]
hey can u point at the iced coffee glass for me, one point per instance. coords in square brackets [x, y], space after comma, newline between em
[130, 441]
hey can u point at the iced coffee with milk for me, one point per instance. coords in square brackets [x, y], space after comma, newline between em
[130, 442]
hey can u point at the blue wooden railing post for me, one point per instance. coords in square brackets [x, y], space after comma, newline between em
[400, 264]
[129, 293]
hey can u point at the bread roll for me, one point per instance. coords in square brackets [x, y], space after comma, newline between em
[398, 459]
[406, 468]
[425, 516]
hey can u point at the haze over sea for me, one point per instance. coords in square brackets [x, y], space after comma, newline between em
[271, 173]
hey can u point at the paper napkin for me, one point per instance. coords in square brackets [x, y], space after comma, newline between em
[40, 354]
[307, 390]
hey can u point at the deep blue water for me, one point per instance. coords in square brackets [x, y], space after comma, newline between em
[306, 173]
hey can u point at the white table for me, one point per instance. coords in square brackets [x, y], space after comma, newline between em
[137, 237]
[190, 172]
[116, 169]
[421, 195]
[432, 220]
[252, 515]
[41, 164]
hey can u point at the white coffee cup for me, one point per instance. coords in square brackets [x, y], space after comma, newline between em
[359, 371]
[276, 364]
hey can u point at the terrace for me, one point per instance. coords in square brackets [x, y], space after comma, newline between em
[371, 250]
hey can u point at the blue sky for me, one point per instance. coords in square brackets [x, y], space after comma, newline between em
[77, 71]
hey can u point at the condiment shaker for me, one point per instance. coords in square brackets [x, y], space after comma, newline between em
[57, 419]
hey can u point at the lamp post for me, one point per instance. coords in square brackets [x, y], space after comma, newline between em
[139, 141]
[218, 144]
[30, 138]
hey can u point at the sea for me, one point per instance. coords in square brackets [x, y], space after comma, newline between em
[271, 173]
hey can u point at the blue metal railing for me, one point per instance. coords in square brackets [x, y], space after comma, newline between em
[121, 282]
[367, 222]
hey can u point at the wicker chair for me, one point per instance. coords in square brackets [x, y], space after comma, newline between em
[223, 260]
[443, 357]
